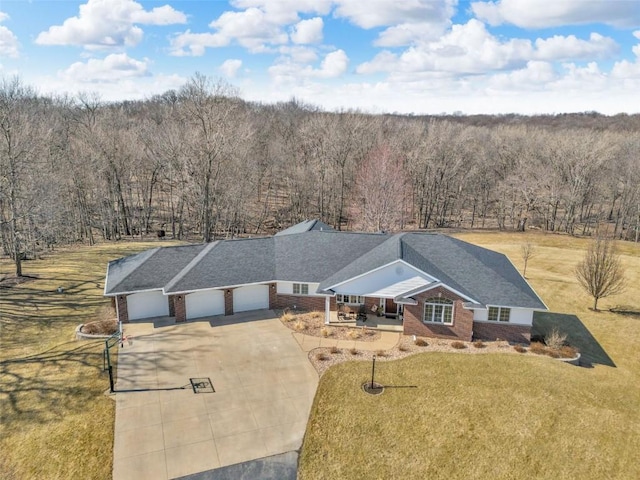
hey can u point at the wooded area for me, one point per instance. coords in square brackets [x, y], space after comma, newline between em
[201, 163]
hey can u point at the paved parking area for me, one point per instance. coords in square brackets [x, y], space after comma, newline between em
[264, 387]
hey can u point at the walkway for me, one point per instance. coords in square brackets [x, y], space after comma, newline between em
[387, 341]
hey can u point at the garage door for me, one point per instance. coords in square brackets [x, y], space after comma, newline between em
[204, 304]
[147, 305]
[253, 297]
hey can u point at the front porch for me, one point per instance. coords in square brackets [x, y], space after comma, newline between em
[373, 321]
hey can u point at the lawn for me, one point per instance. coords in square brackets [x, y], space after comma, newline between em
[55, 419]
[493, 416]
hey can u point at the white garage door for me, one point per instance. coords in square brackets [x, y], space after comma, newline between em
[147, 304]
[205, 304]
[253, 297]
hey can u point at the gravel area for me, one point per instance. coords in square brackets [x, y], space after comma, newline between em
[312, 323]
[322, 358]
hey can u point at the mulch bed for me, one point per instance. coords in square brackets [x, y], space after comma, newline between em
[10, 281]
[312, 323]
[100, 327]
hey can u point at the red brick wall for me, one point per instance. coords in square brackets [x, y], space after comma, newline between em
[462, 328]
[503, 331]
[272, 296]
[302, 302]
[172, 307]
[123, 313]
[228, 301]
[180, 308]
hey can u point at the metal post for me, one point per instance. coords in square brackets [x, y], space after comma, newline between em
[373, 370]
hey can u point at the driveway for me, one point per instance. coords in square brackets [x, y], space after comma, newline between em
[264, 386]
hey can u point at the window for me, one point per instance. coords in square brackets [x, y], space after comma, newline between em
[351, 299]
[301, 289]
[438, 310]
[499, 314]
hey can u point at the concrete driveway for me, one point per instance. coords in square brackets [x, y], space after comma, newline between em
[264, 386]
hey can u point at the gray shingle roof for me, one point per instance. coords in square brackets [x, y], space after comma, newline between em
[327, 257]
[306, 226]
[148, 270]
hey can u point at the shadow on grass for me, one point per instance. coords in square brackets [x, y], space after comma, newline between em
[577, 335]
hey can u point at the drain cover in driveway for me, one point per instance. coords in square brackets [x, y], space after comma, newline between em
[202, 385]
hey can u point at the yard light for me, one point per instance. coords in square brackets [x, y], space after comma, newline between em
[373, 370]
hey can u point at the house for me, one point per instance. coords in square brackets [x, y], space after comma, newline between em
[435, 285]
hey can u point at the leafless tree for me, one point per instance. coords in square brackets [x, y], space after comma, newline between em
[528, 251]
[600, 273]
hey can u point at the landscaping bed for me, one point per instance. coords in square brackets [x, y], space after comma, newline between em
[312, 323]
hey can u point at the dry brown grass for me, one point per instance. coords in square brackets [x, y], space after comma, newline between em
[55, 421]
[577, 423]
[458, 345]
[479, 344]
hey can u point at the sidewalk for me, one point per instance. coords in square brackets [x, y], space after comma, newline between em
[387, 341]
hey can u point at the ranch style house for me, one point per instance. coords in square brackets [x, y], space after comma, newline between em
[429, 284]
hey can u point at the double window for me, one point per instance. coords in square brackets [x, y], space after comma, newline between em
[499, 314]
[350, 299]
[301, 289]
[438, 310]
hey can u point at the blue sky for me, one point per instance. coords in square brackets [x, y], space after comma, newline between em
[409, 56]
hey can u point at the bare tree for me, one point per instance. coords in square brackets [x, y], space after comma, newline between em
[527, 250]
[600, 273]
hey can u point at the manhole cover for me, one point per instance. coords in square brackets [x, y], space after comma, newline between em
[372, 388]
[202, 385]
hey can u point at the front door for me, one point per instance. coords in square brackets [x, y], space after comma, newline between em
[390, 308]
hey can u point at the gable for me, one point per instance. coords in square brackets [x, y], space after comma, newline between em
[389, 280]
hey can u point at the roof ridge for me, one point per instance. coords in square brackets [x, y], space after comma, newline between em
[190, 265]
[151, 252]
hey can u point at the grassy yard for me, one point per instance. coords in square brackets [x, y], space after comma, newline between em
[493, 416]
[55, 421]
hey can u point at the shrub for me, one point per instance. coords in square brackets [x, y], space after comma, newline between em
[334, 350]
[321, 356]
[381, 353]
[287, 317]
[555, 340]
[479, 344]
[326, 331]
[402, 347]
[520, 349]
[421, 342]
[537, 348]
[300, 325]
[353, 351]
[568, 352]
[458, 345]
[353, 334]
[316, 314]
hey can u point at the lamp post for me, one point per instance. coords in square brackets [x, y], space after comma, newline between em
[373, 370]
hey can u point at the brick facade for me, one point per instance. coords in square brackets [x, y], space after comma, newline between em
[273, 294]
[172, 307]
[228, 301]
[123, 312]
[462, 328]
[503, 331]
[302, 302]
[180, 308]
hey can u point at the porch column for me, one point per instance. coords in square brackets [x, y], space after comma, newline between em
[327, 309]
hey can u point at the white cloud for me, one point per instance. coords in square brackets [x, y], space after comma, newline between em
[308, 31]
[259, 27]
[230, 67]
[408, 21]
[548, 13]
[625, 69]
[108, 23]
[285, 71]
[534, 76]
[563, 48]
[113, 68]
[9, 46]
[299, 54]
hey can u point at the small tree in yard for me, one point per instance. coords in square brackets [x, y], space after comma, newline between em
[600, 273]
[528, 251]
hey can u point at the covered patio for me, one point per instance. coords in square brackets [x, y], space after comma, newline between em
[391, 324]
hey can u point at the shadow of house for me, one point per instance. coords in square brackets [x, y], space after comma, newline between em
[578, 335]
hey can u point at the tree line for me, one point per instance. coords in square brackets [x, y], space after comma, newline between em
[200, 163]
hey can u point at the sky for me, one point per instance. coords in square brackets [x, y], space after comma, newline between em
[402, 56]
